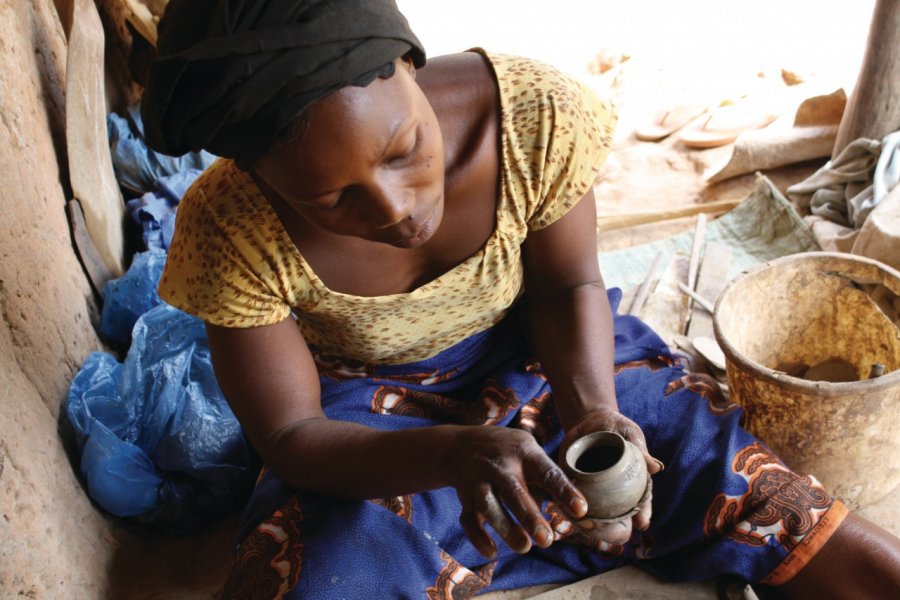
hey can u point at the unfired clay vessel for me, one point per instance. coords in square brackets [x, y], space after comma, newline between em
[611, 473]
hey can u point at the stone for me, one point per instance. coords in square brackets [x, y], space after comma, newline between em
[53, 543]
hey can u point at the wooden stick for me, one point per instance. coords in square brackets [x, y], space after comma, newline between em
[142, 20]
[644, 290]
[613, 222]
[694, 263]
[696, 249]
[711, 280]
[699, 299]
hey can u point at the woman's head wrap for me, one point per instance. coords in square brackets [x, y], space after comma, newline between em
[233, 74]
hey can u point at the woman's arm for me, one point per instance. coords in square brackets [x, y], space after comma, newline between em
[572, 329]
[571, 321]
[269, 378]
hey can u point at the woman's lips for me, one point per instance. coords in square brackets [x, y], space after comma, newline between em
[420, 237]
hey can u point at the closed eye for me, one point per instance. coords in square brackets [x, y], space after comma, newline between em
[327, 202]
[407, 155]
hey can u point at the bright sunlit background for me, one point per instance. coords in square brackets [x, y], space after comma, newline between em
[711, 42]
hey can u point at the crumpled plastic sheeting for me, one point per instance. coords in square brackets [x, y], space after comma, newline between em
[155, 211]
[158, 441]
[136, 166]
[848, 187]
[127, 298]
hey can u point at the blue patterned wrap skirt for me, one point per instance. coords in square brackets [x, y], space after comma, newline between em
[724, 505]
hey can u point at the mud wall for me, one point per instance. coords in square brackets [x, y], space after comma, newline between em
[53, 543]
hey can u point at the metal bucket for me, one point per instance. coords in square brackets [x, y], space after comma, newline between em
[803, 310]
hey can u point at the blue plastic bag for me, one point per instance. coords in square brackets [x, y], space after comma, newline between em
[155, 211]
[127, 298]
[158, 441]
[136, 166]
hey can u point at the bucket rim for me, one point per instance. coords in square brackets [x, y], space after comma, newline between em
[821, 388]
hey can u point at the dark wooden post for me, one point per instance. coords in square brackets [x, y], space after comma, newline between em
[873, 110]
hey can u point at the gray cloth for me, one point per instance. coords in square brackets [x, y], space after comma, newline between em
[762, 227]
[234, 74]
[847, 188]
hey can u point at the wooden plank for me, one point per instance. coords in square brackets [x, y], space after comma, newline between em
[666, 309]
[643, 291]
[711, 280]
[143, 21]
[90, 163]
[93, 264]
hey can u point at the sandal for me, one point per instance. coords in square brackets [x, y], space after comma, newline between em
[668, 121]
[723, 125]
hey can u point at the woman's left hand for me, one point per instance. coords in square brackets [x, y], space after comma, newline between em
[607, 419]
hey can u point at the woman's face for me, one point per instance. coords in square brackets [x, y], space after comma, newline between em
[370, 164]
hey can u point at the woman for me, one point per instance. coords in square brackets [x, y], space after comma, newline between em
[396, 265]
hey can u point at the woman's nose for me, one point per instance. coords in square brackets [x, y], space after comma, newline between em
[391, 204]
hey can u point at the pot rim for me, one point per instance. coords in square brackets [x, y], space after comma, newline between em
[819, 388]
[585, 442]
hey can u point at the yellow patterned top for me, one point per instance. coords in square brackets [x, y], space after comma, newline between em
[231, 262]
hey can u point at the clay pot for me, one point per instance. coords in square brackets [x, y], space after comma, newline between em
[611, 473]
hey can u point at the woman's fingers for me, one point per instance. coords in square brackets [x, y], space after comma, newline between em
[521, 504]
[606, 419]
[542, 472]
[633, 434]
[473, 524]
[511, 532]
[495, 490]
[531, 468]
[485, 507]
[611, 532]
[645, 509]
[509, 508]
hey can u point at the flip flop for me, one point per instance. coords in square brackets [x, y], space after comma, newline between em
[668, 121]
[724, 125]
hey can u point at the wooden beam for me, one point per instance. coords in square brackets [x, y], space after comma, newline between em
[621, 221]
[873, 110]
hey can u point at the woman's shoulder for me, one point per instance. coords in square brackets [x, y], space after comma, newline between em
[223, 264]
[462, 91]
[478, 72]
[478, 79]
[522, 70]
[556, 135]
[531, 86]
[224, 189]
[224, 213]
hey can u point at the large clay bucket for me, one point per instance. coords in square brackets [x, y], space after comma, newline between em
[802, 310]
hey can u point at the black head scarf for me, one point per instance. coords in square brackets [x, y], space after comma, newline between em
[233, 74]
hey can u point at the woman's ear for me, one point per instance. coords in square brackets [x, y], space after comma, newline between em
[410, 67]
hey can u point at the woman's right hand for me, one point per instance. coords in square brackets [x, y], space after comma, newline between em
[493, 470]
